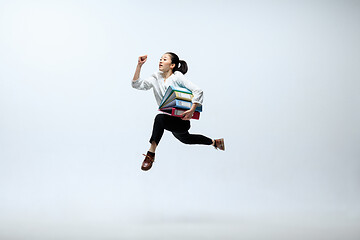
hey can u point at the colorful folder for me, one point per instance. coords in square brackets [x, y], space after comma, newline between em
[177, 112]
[176, 92]
[176, 103]
[177, 100]
[180, 96]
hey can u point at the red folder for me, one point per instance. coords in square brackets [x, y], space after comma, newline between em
[177, 112]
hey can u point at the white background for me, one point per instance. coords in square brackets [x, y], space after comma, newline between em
[281, 85]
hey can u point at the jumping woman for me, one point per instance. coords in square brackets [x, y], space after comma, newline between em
[171, 73]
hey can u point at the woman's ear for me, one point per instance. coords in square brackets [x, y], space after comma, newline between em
[172, 66]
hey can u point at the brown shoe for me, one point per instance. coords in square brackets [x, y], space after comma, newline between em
[147, 163]
[219, 144]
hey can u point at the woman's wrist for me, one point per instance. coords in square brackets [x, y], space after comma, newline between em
[193, 107]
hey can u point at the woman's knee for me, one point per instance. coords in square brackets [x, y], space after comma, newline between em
[159, 118]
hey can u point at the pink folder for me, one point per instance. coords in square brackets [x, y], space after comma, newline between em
[177, 112]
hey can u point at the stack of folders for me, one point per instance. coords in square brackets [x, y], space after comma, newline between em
[177, 100]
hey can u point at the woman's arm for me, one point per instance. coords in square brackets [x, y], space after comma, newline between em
[196, 91]
[141, 61]
[140, 83]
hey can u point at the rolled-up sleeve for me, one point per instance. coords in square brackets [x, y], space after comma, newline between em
[143, 84]
[196, 91]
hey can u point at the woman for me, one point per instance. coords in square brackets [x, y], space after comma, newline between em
[171, 73]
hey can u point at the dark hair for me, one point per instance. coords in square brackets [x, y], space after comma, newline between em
[183, 68]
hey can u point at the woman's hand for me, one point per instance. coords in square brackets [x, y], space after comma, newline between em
[142, 60]
[187, 115]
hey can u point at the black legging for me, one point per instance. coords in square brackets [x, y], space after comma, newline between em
[179, 129]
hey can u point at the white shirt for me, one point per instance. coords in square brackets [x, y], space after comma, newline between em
[159, 85]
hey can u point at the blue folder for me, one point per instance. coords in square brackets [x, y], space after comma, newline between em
[176, 103]
[170, 89]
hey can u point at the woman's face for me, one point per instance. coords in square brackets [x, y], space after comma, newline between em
[165, 64]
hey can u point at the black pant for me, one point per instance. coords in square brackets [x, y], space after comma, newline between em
[179, 129]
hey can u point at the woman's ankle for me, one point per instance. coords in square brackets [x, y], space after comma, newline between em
[153, 147]
[152, 154]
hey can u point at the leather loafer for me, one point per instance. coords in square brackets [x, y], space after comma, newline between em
[219, 144]
[147, 163]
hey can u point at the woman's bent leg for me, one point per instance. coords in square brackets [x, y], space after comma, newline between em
[171, 123]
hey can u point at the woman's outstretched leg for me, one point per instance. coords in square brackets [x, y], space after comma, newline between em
[187, 138]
